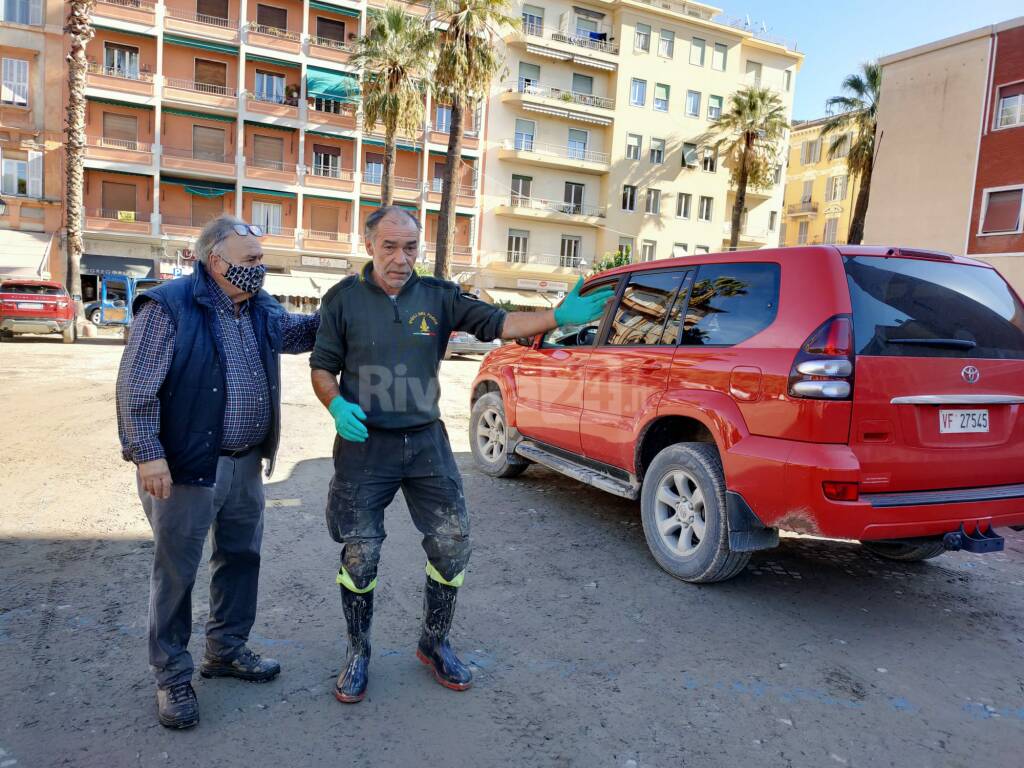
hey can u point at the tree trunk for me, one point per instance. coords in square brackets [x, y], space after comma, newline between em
[449, 194]
[741, 195]
[860, 208]
[387, 181]
[80, 32]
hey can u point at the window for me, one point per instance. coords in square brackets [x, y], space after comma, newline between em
[521, 188]
[642, 38]
[269, 87]
[267, 152]
[529, 76]
[15, 82]
[637, 92]
[1011, 106]
[667, 43]
[533, 20]
[121, 130]
[773, 220]
[524, 135]
[217, 9]
[842, 147]
[569, 255]
[268, 16]
[374, 168]
[777, 175]
[326, 161]
[115, 198]
[22, 11]
[1002, 211]
[652, 201]
[807, 192]
[625, 246]
[582, 84]
[705, 208]
[573, 197]
[801, 234]
[787, 79]
[714, 107]
[657, 151]
[661, 97]
[835, 188]
[719, 57]
[323, 218]
[754, 73]
[588, 24]
[648, 250]
[641, 315]
[208, 143]
[121, 61]
[697, 47]
[443, 118]
[683, 201]
[729, 303]
[709, 160]
[690, 155]
[633, 145]
[782, 234]
[437, 178]
[628, 197]
[267, 216]
[205, 209]
[810, 152]
[578, 144]
[518, 246]
[213, 74]
[679, 249]
[693, 103]
[330, 30]
[831, 230]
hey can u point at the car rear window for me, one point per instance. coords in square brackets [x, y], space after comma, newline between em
[729, 303]
[36, 290]
[923, 308]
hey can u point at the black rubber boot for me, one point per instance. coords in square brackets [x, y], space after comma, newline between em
[358, 608]
[434, 650]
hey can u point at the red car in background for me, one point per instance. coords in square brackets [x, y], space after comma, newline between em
[36, 306]
[864, 393]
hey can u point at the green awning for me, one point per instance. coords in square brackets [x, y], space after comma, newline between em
[199, 187]
[270, 192]
[398, 143]
[319, 6]
[376, 204]
[277, 62]
[200, 115]
[123, 31]
[335, 86]
[117, 103]
[325, 197]
[329, 135]
[271, 125]
[204, 45]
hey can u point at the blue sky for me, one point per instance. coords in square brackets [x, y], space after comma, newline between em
[835, 36]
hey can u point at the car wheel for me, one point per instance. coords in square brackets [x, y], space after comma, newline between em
[70, 334]
[96, 316]
[903, 551]
[682, 508]
[488, 438]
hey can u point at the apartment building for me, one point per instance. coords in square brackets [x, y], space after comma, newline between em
[203, 107]
[31, 136]
[595, 140]
[954, 180]
[820, 194]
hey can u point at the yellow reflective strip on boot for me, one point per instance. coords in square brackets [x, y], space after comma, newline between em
[346, 581]
[433, 573]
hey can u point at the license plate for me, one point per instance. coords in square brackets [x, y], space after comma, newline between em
[30, 305]
[960, 421]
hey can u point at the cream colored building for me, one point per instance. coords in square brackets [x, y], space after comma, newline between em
[593, 140]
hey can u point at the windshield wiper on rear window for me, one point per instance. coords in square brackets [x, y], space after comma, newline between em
[954, 343]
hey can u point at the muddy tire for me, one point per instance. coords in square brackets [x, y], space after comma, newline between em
[905, 552]
[682, 508]
[488, 438]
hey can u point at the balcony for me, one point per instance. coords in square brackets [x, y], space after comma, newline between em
[465, 194]
[126, 222]
[747, 236]
[330, 49]
[120, 79]
[407, 189]
[279, 237]
[221, 97]
[326, 242]
[274, 106]
[551, 210]
[211, 27]
[332, 114]
[596, 50]
[462, 255]
[134, 11]
[802, 209]
[118, 150]
[525, 150]
[535, 259]
[188, 160]
[330, 177]
[584, 107]
[181, 226]
[414, 8]
[271, 170]
[275, 38]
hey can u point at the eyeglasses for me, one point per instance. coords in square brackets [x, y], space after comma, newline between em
[248, 229]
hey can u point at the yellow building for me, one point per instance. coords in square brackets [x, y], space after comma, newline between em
[820, 194]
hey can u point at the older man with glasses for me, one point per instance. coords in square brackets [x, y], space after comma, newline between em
[199, 411]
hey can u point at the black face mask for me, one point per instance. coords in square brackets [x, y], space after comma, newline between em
[247, 279]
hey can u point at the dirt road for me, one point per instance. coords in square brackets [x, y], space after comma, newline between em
[586, 654]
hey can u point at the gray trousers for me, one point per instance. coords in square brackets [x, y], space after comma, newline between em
[232, 513]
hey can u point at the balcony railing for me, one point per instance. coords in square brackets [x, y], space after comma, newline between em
[527, 144]
[404, 182]
[746, 25]
[682, 7]
[210, 88]
[196, 222]
[202, 18]
[135, 5]
[120, 72]
[331, 237]
[571, 97]
[745, 232]
[272, 230]
[270, 165]
[281, 34]
[132, 145]
[555, 206]
[457, 250]
[463, 190]
[550, 259]
[328, 107]
[808, 207]
[112, 214]
[191, 153]
[330, 172]
[579, 38]
[269, 98]
[327, 42]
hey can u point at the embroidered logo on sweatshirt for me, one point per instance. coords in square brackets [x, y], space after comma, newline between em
[423, 324]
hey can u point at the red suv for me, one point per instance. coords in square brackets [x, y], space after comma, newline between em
[845, 392]
[36, 306]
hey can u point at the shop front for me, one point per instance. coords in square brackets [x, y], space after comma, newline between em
[94, 267]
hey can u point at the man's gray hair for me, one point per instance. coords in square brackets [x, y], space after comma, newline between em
[213, 233]
[381, 213]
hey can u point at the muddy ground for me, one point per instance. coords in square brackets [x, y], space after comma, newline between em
[586, 654]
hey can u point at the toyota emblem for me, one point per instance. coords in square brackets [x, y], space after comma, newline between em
[971, 374]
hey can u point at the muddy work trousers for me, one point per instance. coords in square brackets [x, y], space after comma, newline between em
[366, 477]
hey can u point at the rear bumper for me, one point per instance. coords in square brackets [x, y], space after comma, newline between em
[33, 324]
[782, 480]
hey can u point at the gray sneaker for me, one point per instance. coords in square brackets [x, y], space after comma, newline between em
[177, 706]
[245, 666]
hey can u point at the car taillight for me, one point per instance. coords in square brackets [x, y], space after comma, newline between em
[823, 368]
[62, 305]
[837, 491]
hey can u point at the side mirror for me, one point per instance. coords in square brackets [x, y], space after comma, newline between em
[119, 304]
[525, 341]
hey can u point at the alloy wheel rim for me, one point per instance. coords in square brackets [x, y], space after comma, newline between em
[490, 435]
[680, 513]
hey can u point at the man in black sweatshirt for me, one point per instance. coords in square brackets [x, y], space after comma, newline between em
[385, 332]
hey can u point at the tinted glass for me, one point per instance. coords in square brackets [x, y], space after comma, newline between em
[36, 290]
[578, 335]
[920, 308]
[729, 303]
[640, 317]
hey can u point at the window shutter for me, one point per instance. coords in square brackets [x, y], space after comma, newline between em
[323, 219]
[211, 72]
[118, 197]
[120, 127]
[216, 8]
[330, 29]
[206, 209]
[7, 95]
[35, 173]
[35, 12]
[267, 151]
[1002, 214]
[208, 143]
[323, 149]
[272, 17]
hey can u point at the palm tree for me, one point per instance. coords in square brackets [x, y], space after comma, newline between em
[395, 54]
[748, 134]
[79, 32]
[857, 115]
[467, 61]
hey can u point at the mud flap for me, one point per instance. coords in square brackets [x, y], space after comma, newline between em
[746, 532]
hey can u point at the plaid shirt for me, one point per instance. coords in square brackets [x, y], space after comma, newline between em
[147, 359]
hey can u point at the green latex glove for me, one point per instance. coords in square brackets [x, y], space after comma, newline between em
[348, 420]
[579, 310]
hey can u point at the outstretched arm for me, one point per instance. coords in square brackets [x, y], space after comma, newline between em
[575, 309]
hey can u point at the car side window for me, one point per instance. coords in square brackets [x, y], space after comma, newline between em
[729, 303]
[642, 314]
[578, 335]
